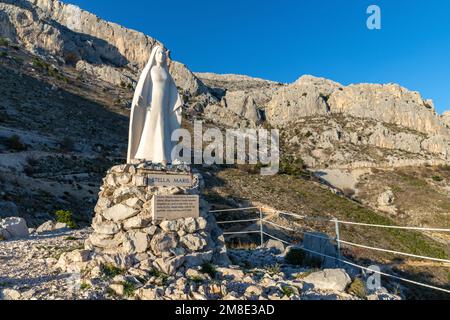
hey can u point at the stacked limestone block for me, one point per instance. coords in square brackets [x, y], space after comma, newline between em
[126, 235]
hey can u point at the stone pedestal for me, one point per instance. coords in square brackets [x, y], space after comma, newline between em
[126, 234]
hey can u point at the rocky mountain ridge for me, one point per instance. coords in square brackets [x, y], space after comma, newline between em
[66, 88]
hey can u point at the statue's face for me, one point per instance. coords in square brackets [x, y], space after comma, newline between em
[161, 56]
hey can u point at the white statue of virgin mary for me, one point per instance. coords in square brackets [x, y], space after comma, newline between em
[155, 112]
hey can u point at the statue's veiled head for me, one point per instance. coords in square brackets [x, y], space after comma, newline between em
[161, 55]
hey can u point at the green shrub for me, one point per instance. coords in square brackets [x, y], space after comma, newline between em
[14, 142]
[158, 274]
[65, 216]
[292, 166]
[437, 178]
[287, 291]
[4, 42]
[274, 269]
[358, 288]
[209, 269]
[3, 54]
[196, 279]
[295, 257]
[128, 289]
[109, 271]
[85, 286]
[41, 64]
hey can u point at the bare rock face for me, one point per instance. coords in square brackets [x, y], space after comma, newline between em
[307, 96]
[445, 118]
[310, 96]
[106, 50]
[126, 235]
[241, 96]
[389, 103]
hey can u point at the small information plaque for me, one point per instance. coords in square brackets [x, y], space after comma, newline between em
[171, 207]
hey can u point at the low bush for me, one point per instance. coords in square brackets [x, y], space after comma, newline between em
[128, 289]
[85, 286]
[4, 42]
[274, 269]
[65, 216]
[14, 142]
[109, 271]
[209, 269]
[295, 257]
[358, 288]
[287, 291]
[292, 166]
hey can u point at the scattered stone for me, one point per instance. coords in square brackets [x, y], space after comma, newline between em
[275, 244]
[117, 288]
[50, 226]
[329, 279]
[9, 294]
[386, 198]
[15, 227]
[120, 212]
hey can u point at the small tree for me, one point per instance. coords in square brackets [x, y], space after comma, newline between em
[65, 216]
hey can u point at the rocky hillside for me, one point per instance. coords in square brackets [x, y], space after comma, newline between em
[68, 35]
[324, 123]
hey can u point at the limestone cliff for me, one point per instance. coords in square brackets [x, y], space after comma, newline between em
[73, 36]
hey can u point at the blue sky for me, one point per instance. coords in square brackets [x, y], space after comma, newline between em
[283, 39]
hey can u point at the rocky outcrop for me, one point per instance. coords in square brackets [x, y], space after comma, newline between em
[238, 95]
[308, 96]
[349, 142]
[329, 279]
[73, 36]
[50, 226]
[13, 227]
[445, 118]
[389, 103]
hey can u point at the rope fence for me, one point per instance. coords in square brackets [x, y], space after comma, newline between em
[261, 222]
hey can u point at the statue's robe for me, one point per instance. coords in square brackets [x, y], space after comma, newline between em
[155, 140]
